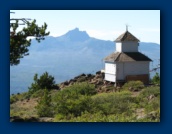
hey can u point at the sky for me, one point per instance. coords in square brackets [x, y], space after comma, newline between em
[100, 24]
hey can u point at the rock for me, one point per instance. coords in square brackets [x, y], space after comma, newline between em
[71, 83]
[56, 87]
[89, 75]
[152, 115]
[141, 116]
[82, 74]
[19, 119]
[81, 79]
[16, 119]
[66, 83]
[98, 72]
[98, 76]
[140, 113]
[93, 81]
[99, 81]
[45, 119]
[117, 89]
[103, 87]
[151, 97]
[79, 76]
[28, 100]
[103, 75]
[130, 88]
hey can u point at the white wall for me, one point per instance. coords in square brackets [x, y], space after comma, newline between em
[127, 47]
[110, 71]
[118, 47]
[131, 68]
[130, 46]
[120, 70]
[136, 68]
[110, 77]
[110, 68]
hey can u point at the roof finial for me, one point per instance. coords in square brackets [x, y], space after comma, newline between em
[127, 27]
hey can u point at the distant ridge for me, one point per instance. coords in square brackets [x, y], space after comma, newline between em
[75, 35]
[67, 56]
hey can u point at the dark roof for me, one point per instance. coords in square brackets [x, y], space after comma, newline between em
[127, 56]
[127, 36]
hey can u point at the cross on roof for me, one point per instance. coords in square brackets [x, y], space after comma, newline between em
[127, 27]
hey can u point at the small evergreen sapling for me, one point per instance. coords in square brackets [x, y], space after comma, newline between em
[44, 107]
[156, 79]
[45, 81]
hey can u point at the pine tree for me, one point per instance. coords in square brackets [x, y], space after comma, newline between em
[18, 39]
[45, 81]
[44, 107]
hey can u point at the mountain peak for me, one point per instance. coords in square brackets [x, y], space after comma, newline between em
[76, 35]
[76, 29]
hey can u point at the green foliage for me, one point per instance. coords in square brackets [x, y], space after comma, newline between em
[113, 103]
[83, 88]
[44, 107]
[22, 112]
[133, 85]
[18, 39]
[13, 99]
[153, 105]
[146, 92]
[156, 79]
[37, 94]
[18, 97]
[45, 81]
[73, 106]
[97, 117]
[79, 103]
[149, 99]
[74, 99]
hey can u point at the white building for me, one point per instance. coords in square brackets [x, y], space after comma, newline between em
[127, 63]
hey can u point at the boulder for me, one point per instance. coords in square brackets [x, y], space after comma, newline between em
[72, 80]
[66, 83]
[152, 96]
[99, 81]
[82, 79]
[82, 74]
[89, 75]
[98, 72]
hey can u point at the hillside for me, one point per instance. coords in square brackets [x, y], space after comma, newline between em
[67, 56]
[88, 98]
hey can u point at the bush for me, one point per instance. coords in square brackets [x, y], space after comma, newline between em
[156, 79]
[113, 103]
[44, 107]
[74, 100]
[37, 94]
[133, 85]
[69, 104]
[45, 81]
[13, 99]
[66, 105]
[97, 117]
[83, 88]
[149, 99]
[150, 91]
[153, 105]
[18, 97]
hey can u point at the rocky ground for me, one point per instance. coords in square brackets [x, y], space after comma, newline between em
[97, 79]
